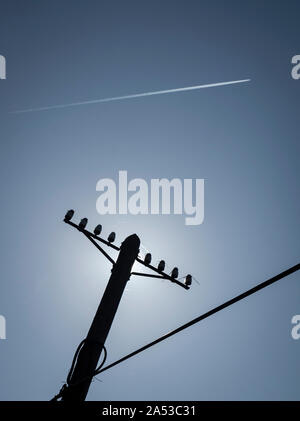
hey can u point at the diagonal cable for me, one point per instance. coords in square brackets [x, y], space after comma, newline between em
[208, 314]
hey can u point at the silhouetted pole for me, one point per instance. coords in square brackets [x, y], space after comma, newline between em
[90, 352]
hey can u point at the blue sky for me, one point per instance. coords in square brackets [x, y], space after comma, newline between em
[242, 139]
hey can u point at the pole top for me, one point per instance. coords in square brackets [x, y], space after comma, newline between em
[133, 240]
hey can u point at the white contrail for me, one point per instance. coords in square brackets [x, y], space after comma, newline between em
[119, 98]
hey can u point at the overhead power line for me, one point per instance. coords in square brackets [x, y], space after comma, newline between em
[207, 314]
[85, 362]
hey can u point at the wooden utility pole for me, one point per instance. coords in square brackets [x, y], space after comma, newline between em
[90, 352]
[84, 365]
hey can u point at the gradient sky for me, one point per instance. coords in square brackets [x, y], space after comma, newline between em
[242, 139]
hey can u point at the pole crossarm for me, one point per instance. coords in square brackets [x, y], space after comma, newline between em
[162, 276]
[100, 248]
[149, 275]
[92, 237]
